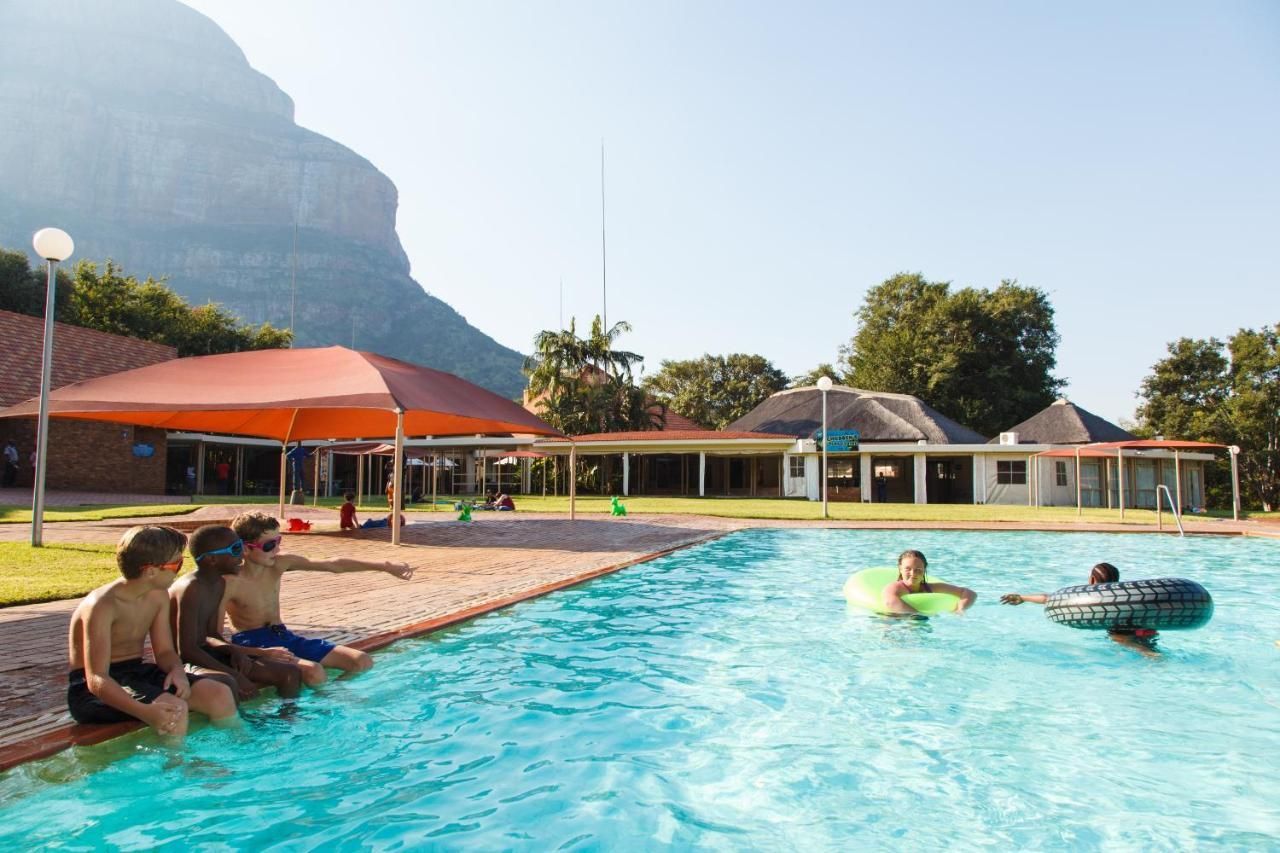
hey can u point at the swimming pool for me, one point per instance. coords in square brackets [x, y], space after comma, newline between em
[723, 697]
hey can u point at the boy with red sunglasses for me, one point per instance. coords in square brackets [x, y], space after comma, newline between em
[196, 602]
[109, 681]
[253, 599]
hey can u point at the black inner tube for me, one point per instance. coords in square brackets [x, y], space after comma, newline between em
[1165, 604]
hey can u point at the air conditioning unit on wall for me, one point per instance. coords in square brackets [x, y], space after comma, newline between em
[1008, 438]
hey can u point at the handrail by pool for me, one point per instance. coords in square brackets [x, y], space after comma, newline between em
[1177, 516]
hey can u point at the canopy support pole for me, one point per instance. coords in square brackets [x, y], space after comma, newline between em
[315, 477]
[359, 480]
[573, 481]
[397, 484]
[284, 450]
[435, 478]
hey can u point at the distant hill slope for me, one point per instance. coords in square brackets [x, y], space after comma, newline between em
[139, 127]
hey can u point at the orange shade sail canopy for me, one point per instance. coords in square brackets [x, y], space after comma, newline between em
[291, 395]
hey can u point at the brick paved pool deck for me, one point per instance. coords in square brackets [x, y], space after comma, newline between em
[461, 570]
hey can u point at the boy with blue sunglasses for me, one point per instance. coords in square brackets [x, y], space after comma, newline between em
[253, 599]
[197, 620]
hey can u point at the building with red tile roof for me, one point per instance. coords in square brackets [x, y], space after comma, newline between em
[83, 456]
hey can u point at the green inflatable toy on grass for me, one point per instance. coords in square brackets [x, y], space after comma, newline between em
[465, 515]
[617, 508]
[865, 589]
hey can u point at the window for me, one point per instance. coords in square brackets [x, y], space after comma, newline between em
[1011, 472]
[888, 470]
[1060, 471]
[797, 466]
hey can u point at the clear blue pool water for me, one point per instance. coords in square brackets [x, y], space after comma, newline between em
[725, 698]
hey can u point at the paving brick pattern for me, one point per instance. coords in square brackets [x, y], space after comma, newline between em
[460, 570]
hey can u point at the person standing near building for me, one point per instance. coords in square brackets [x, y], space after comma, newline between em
[223, 469]
[10, 464]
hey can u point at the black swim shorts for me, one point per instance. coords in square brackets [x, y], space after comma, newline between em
[142, 680]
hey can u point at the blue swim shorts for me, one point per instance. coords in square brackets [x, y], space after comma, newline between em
[272, 636]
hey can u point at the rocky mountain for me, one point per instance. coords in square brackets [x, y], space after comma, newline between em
[139, 127]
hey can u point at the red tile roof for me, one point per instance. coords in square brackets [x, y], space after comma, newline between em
[679, 435]
[78, 354]
[675, 421]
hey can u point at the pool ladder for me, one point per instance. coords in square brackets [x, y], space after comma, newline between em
[1177, 516]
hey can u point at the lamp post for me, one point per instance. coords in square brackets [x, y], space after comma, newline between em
[824, 385]
[54, 245]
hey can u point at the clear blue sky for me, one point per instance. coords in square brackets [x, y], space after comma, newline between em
[767, 163]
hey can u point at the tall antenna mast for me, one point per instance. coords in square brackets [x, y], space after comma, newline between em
[293, 274]
[604, 259]
[561, 302]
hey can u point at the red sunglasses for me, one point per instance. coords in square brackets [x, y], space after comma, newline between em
[174, 566]
[265, 547]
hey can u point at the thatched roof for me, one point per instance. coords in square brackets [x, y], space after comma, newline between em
[876, 415]
[1063, 422]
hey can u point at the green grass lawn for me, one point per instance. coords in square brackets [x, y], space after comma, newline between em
[92, 512]
[54, 572]
[777, 508]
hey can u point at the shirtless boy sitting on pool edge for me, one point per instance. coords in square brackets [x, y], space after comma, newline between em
[911, 571]
[196, 616]
[253, 598]
[109, 681]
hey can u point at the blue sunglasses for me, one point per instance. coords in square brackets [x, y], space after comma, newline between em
[235, 549]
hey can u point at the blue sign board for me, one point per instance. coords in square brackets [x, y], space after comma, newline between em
[838, 440]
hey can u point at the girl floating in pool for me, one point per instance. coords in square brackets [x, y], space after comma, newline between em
[1142, 639]
[911, 578]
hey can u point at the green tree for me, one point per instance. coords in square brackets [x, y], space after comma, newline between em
[715, 390]
[110, 301]
[982, 357]
[808, 380]
[586, 385]
[1198, 392]
[22, 288]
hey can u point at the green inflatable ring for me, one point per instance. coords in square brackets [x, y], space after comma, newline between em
[865, 589]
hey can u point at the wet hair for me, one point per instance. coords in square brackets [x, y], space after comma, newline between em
[1104, 573]
[205, 538]
[348, 496]
[912, 552]
[249, 526]
[147, 545]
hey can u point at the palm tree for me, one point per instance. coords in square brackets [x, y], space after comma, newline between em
[587, 385]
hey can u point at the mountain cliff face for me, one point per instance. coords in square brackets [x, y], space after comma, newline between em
[139, 127]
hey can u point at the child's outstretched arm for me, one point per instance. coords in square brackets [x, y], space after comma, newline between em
[341, 565]
[1019, 598]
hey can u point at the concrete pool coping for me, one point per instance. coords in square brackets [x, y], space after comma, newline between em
[463, 571]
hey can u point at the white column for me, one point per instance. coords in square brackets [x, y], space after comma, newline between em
[1235, 482]
[919, 473]
[626, 474]
[973, 473]
[1177, 480]
[864, 476]
[573, 481]
[702, 475]
[1120, 476]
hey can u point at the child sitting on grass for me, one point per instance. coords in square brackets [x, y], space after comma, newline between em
[109, 681]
